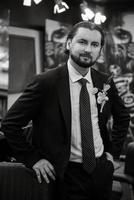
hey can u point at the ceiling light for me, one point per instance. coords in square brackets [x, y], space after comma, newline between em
[28, 2]
[87, 13]
[60, 6]
[37, 1]
[99, 18]
[84, 17]
[103, 18]
[93, 13]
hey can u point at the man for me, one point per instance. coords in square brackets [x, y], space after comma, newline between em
[60, 149]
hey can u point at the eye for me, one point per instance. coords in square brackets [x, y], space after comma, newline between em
[95, 44]
[82, 42]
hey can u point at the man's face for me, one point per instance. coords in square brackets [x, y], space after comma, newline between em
[85, 47]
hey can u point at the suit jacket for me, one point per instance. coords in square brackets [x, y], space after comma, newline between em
[46, 101]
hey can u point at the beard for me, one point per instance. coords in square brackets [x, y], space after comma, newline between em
[85, 62]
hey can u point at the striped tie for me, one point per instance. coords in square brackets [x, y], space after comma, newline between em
[88, 152]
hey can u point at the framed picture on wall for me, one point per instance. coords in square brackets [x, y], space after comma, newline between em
[55, 37]
[25, 59]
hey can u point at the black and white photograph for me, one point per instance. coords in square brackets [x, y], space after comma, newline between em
[67, 100]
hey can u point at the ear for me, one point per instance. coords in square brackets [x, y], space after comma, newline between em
[68, 44]
[101, 55]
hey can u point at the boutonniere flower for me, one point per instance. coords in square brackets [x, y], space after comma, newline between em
[102, 96]
[102, 93]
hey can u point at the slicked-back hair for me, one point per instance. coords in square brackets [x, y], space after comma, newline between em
[88, 25]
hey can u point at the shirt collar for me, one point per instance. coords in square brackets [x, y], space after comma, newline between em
[75, 75]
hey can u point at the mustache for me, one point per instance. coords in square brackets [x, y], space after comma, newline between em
[86, 55]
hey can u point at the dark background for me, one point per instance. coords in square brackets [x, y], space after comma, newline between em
[34, 16]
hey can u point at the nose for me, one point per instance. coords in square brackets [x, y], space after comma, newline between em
[88, 48]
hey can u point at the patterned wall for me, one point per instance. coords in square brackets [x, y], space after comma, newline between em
[119, 60]
[55, 37]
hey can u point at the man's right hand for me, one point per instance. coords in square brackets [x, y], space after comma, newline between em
[43, 168]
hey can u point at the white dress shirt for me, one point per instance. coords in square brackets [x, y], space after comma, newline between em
[75, 87]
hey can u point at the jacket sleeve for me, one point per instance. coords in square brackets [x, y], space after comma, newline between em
[121, 118]
[19, 115]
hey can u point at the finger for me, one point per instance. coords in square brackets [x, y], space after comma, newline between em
[43, 173]
[49, 172]
[37, 171]
[50, 166]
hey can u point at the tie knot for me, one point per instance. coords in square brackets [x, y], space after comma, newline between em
[83, 81]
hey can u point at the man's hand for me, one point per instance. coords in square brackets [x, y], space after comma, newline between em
[115, 163]
[109, 157]
[43, 168]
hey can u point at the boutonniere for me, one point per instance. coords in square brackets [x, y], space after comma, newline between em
[102, 93]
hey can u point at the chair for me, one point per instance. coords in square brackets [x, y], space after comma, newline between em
[17, 182]
[20, 183]
[125, 174]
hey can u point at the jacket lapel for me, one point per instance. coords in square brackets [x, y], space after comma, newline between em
[64, 96]
[98, 83]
